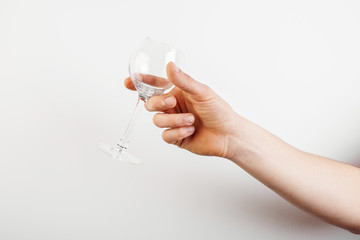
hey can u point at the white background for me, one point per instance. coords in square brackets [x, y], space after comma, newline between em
[290, 66]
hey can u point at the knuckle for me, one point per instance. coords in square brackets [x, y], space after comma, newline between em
[176, 121]
[205, 88]
[165, 137]
[183, 77]
[207, 92]
[162, 120]
[156, 120]
[149, 105]
[187, 77]
[154, 104]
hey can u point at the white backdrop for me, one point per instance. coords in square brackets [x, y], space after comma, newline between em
[290, 66]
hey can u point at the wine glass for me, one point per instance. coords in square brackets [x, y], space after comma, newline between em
[147, 68]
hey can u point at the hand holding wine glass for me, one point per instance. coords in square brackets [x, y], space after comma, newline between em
[218, 131]
[196, 118]
[147, 68]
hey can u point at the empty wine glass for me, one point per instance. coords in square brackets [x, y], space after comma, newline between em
[147, 68]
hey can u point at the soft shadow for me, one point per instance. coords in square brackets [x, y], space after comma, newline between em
[239, 203]
[356, 161]
[276, 212]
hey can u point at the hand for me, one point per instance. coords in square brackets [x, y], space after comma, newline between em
[196, 118]
[303, 179]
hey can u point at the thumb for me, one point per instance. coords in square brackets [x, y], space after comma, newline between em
[185, 82]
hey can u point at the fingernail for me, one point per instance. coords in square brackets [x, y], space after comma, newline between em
[190, 129]
[177, 69]
[189, 119]
[169, 101]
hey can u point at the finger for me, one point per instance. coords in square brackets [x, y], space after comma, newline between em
[160, 103]
[129, 84]
[185, 82]
[177, 134]
[164, 120]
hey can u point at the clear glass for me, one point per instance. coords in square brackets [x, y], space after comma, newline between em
[147, 68]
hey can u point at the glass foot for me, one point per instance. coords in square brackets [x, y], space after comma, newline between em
[119, 154]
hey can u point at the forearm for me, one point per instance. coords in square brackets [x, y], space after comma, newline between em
[324, 187]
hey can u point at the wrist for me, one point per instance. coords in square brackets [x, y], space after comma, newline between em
[237, 139]
[250, 144]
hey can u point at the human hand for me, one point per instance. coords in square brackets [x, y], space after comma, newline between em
[196, 118]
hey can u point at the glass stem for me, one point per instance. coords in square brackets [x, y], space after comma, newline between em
[122, 144]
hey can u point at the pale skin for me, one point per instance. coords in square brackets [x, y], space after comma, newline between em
[198, 120]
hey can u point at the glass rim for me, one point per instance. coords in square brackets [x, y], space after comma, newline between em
[163, 44]
[149, 39]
